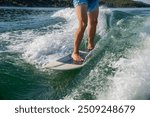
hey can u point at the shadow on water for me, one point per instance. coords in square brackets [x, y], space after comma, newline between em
[64, 81]
[19, 80]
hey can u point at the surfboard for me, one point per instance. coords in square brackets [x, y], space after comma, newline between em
[66, 62]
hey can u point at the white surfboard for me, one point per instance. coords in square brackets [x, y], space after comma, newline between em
[66, 62]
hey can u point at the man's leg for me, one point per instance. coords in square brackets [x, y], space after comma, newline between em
[92, 23]
[81, 11]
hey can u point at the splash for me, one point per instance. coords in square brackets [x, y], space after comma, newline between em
[121, 71]
[57, 40]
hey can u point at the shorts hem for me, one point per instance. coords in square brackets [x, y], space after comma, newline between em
[81, 3]
[91, 10]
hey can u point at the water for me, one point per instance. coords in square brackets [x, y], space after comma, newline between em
[31, 37]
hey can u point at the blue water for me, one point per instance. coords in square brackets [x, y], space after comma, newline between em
[32, 37]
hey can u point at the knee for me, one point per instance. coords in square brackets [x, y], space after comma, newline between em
[83, 25]
[93, 23]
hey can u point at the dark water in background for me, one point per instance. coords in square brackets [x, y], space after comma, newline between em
[30, 38]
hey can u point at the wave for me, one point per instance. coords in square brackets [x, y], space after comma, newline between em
[41, 48]
[120, 67]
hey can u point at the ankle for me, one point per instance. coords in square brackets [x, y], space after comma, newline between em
[75, 53]
[90, 46]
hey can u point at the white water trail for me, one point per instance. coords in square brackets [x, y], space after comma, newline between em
[130, 81]
[40, 49]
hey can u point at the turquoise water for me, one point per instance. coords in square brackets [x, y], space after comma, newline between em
[31, 37]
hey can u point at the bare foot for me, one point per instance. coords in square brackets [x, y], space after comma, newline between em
[77, 58]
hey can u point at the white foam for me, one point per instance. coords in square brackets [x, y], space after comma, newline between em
[132, 78]
[130, 81]
[38, 49]
[102, 21]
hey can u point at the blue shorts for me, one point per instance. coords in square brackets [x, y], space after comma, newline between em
[91, 4]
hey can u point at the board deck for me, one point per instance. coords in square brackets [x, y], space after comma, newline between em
[66, 62]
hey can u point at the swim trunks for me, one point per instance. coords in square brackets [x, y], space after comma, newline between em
[91, 4]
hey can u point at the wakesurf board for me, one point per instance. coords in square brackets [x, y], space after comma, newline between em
[67, 63]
